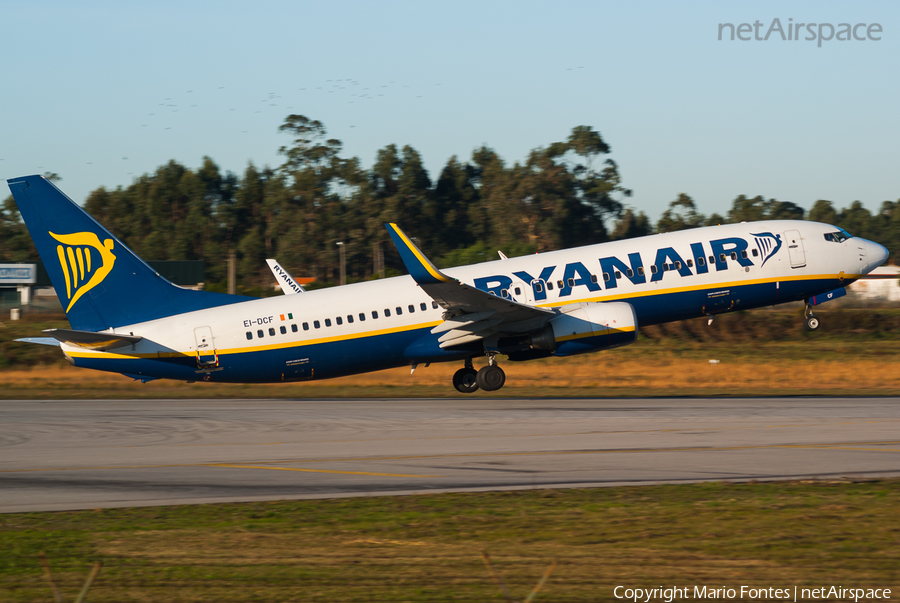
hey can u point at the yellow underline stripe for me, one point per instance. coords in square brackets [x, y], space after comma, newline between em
[315, 470]
[557, 303]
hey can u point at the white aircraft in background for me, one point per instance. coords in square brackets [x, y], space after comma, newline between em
[127, 319]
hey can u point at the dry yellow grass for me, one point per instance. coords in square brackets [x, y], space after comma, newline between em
[663, 374]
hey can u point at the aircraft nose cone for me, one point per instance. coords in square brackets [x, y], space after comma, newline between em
[876, 254]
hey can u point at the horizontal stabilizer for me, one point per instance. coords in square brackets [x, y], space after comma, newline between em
[40, 340]
[91, 340]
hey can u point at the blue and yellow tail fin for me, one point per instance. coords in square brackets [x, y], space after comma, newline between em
[419, 266]
[99, 281]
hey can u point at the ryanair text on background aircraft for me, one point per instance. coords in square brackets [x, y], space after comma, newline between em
[127, 319]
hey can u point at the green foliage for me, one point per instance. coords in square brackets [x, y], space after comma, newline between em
[563, 195]
[681, 215]
[15, 242]
[632, 225]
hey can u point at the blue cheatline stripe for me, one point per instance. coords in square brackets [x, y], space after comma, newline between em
[388, 350]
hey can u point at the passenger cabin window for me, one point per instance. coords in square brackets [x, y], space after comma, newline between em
[744, 254]
[755, 253]
[399, 310]
[339, 320]
[618, 274]
[272, 331]
[374, 313]
[412, 308]
[629, 273]
[677, 265]
[653, 269]
[316, 324]
[504, 292]
[294, 328]
[387, 312]
[538, 287]
[283, 330]
[665, 267]
[701, 262]
[327, 322]
[606, 277]
[350, 319]
[570, 282]
[260, 333]
[249, 335]
[518, 290]
[641, 270]
[560, 284]
[733, 255]
[434, 305]
[549, 285]
[306, 326]
[362, 317]
[423, 306]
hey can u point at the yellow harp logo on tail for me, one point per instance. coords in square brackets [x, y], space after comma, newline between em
[84, 262]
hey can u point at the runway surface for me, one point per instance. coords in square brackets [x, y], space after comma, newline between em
[71, 454]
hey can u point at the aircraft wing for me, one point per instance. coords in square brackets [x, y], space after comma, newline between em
[90, 339]
[470, 314]
[288, 283]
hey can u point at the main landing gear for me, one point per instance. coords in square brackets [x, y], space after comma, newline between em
[810, 323]
[490, 378]
[465, 380]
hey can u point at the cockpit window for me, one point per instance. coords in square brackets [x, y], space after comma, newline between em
[837, 237]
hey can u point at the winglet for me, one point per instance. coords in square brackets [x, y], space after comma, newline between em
[287, 282]
[420, 268]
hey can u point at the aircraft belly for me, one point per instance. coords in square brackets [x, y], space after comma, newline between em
[657, 309]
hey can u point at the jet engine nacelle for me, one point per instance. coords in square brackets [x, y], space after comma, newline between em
[588, 327]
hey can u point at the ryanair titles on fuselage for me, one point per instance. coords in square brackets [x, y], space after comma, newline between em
[612, 268]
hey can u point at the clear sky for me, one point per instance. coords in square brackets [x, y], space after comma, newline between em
[101, 92]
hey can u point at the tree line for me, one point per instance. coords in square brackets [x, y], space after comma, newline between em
[565, 194]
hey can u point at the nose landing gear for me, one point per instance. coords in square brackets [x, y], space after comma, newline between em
[811, 323]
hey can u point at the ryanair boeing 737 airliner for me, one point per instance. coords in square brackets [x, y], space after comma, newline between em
[127, 319]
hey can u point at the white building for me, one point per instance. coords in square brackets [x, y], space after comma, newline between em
[883, 283]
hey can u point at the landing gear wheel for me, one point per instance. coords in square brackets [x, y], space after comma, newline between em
[491, 378]
[464, 380]
[811, 324]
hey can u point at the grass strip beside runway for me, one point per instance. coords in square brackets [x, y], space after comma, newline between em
[427, 548]
[617, 373]
[758, 353]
